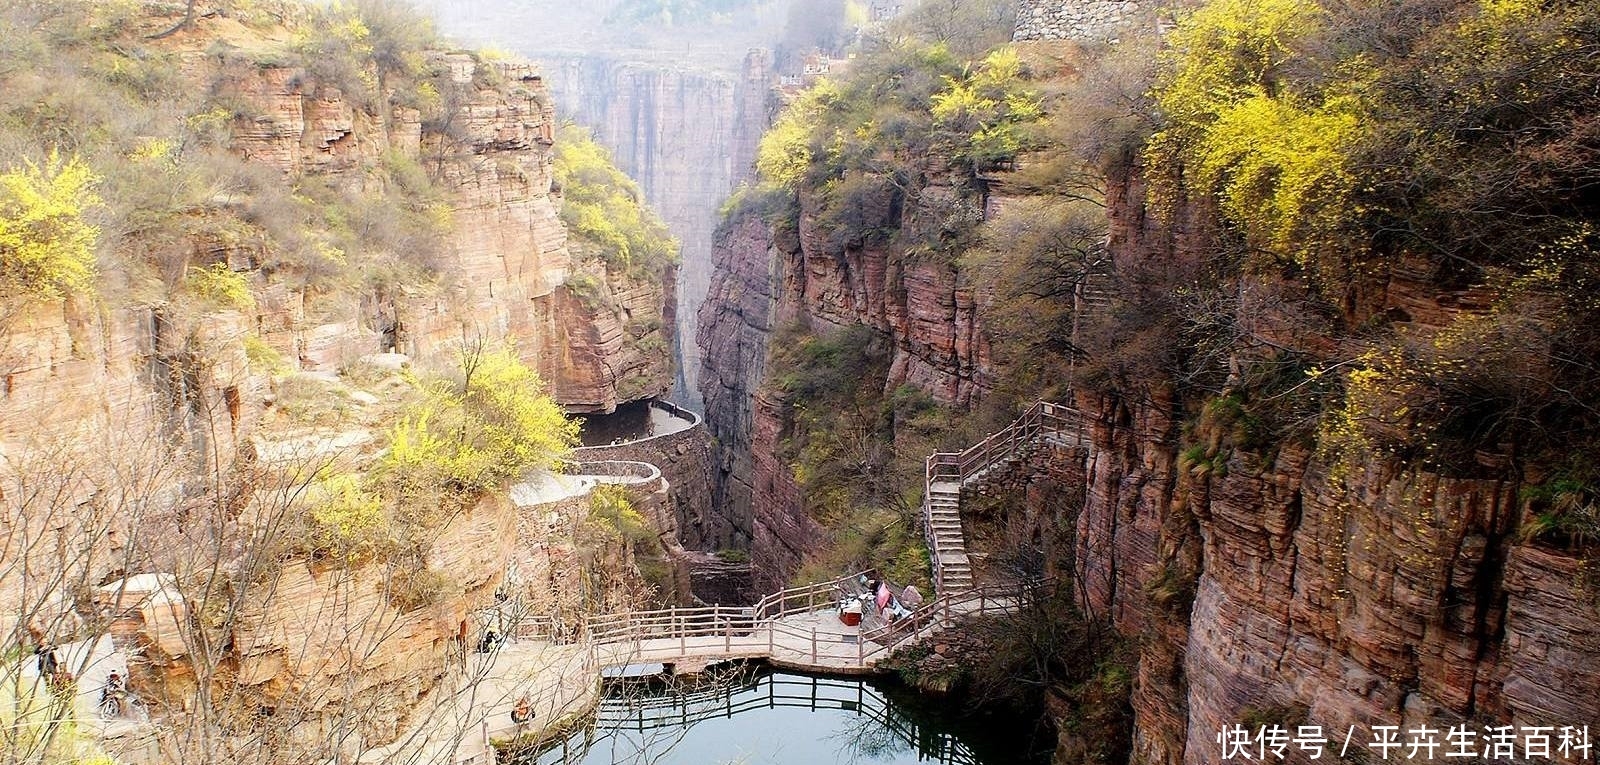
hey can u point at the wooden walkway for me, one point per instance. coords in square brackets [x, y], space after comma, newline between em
[797, 628]
[947, 473]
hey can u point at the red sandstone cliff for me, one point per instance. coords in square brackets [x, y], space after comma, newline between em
[1260, 584]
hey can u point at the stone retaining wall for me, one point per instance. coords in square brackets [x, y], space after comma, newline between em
[684, 458]
[1074, 19]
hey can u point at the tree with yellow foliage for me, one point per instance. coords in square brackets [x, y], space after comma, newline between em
[47, 247]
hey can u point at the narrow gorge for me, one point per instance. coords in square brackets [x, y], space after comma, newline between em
[1093, 381]
[1270, 529]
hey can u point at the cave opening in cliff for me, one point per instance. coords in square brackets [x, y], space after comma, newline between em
[633, 421]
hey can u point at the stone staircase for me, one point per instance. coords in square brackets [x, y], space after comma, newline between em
[948, 474]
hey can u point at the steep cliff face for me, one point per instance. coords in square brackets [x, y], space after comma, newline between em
[1275, 584]
[766, 280]
[506, 254]
[688, 137]
[736, 322]
[1263, 582]
[144, 414]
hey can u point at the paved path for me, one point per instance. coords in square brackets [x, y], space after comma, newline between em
[473, 707]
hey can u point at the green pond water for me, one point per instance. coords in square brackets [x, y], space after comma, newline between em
[752, 716]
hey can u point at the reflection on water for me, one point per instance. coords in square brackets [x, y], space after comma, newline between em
[751, 717]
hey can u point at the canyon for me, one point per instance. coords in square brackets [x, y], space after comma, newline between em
[1264, 583]
[680, 116]
[183, 438]
[1258, 549]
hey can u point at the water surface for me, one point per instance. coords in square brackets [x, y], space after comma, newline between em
[761, 717]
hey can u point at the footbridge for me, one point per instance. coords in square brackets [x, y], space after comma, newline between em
[723, 699]
[799, 628]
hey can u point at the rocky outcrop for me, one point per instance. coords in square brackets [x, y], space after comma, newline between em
[684, 458]
[1276, 585]
[1389, 596]
[339, 646]
[1260, 585]
[781, 533]
[736, 322]
[768, 279]
[506, 258]
[177, 385]
[688, 136]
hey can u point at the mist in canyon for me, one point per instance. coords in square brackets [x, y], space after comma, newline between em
[680, 93]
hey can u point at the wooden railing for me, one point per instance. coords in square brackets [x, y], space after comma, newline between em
[684, 623]
[787, 602]
[941, 612]
[1041, 419]
[753, 631]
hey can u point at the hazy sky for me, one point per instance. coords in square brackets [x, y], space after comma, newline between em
[534, 27]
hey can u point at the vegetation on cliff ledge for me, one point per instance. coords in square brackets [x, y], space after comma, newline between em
[605, 211]
[1441, 144]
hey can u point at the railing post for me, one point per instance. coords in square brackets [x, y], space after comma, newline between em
[813, 645]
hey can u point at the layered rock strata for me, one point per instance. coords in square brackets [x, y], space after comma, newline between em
[684, 458]
[506, 254]
[1270, 585]
[766, 280]
[688, 136]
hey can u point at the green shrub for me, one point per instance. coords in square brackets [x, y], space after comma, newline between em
[220, 286]
[485, 426]
[1566, 507]
[348, 523]
[264, 356]
[611, 510]
[605, 211]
